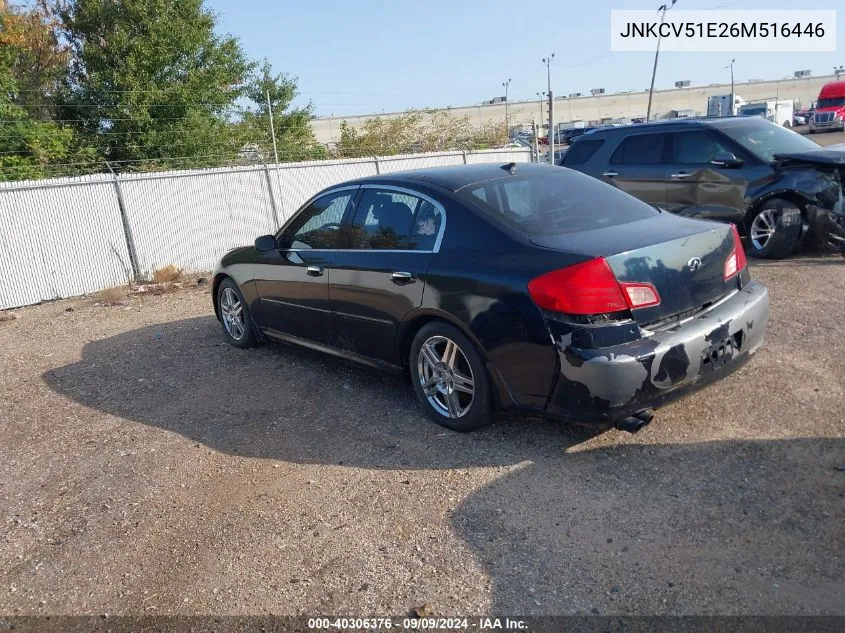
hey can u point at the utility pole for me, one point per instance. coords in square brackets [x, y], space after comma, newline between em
[548, 61]
[540, 97]
[662, 9]
[506, 84]
[731, 66]
[272, 130]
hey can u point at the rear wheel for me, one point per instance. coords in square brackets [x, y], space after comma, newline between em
[774, 229]
[449, 378]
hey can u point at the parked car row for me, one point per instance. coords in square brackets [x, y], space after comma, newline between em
[780, 188]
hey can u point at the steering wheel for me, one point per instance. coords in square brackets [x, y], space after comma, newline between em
[330, 225]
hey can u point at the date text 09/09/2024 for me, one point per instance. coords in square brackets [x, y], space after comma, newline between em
[417, 624]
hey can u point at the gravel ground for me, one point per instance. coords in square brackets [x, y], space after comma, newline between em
[146, 467]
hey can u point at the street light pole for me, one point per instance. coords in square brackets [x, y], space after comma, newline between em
[731, 66]
[548, 61]
[662, 9]
[507, 122]
[838, 70]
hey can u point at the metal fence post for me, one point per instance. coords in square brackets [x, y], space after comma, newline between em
[272, 196]
[127, 229]
[464, 152]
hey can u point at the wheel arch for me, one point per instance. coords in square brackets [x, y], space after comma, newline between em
[790, 195]
[418, 319]
[215, 285]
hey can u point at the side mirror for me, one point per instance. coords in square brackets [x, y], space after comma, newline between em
[266, 243]
[726, 159]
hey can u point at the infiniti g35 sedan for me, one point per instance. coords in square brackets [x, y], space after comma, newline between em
[503, 286]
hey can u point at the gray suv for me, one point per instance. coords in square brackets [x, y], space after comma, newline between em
[780, 188]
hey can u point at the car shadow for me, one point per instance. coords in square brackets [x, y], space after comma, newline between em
[284, 402]
[742, 526]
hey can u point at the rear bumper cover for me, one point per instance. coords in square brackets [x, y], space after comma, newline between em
[601, 386]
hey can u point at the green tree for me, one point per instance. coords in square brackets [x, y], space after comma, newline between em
[150, 83]
[31, 66]
[295, 139]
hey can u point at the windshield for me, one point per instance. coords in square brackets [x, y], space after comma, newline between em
[831, 103]
[764, 139]
[555, 201]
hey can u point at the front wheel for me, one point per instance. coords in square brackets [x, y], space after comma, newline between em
[774, 229]
[449, 378]
[234, 315]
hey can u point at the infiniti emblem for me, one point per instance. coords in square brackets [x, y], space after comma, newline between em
[694, 264]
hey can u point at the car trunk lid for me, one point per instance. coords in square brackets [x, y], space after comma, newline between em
[683, 259]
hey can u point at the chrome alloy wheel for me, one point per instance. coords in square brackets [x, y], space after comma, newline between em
[446, 377]
[232, 313]
[763, 227]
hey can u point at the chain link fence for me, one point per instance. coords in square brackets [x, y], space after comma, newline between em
[70, 236]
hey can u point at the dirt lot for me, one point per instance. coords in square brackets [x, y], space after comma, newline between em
[146, 467]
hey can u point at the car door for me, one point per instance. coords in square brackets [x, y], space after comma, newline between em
[379, 276]
[703, 187]
[292, 282]
[639, 167]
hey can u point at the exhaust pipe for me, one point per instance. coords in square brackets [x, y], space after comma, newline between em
[634, 423]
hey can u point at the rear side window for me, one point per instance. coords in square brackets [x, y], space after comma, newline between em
[383, 220]
[644, 149]
[581, 151]
[555, 201]
[394, 220]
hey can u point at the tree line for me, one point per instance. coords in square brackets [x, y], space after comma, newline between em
[90, 85]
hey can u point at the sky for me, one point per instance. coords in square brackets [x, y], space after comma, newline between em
[369, 56]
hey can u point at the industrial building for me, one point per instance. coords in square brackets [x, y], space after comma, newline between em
[607, 106]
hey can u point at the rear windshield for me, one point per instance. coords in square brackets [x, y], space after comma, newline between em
[555, 201]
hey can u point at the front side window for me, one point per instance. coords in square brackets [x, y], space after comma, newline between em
[643, 149]
[318, 225]
[697, 147]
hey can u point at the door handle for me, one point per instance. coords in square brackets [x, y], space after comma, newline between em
[610, 174]
[681, 175]
[401, 278]
[314, 271]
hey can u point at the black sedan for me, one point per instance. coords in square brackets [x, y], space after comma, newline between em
[493, 286]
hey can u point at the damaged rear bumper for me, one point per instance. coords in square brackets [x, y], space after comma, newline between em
[603, 386]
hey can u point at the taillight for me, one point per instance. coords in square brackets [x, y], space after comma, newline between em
[589, 288]
[736, 261]
[641, 295]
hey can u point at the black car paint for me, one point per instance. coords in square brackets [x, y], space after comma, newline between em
[477, 281]
[811, 179]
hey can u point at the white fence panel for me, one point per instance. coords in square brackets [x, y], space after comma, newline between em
[60, 238]
[499, 156]
[65, 237]
[189, 219]
[419, 161]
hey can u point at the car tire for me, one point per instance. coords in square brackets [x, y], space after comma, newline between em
[441, 359]
[773, 229]
[234, 315]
